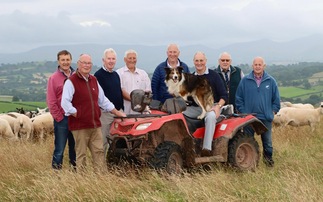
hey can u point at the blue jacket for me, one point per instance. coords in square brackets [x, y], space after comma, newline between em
[158, 86]
[263, 100]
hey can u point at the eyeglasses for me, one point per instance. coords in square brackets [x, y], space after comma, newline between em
[85, 63]
[225, 60]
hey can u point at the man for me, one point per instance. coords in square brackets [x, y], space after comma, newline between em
[81, 100]
[258, 93]
[109, 80]
[159, 88]
[230, 75]
[54, 96]
[220, 97]
[132, 78]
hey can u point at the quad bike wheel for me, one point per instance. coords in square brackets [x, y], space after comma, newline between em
[168, 156]
[243, 152]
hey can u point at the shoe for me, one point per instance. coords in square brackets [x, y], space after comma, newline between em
[206, 152]
[268, 161]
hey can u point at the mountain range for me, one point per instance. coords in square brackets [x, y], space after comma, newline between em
[306, 49]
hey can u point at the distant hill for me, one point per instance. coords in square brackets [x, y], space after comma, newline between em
[307, 49]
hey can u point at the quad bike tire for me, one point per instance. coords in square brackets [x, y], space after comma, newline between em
[168, 157]
[243, 152]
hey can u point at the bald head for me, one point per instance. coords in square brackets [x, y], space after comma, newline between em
[258, 66]
[173, 54]
[84, 64]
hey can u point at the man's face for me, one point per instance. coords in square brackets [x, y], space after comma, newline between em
[131, 60]
[172, 53]
[258, 66]
[109, 61]
[199, 62]
[225, 61]
[64, 62]
[84, 65]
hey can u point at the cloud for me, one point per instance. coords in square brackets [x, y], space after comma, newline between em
[211, 23]
[95, 23]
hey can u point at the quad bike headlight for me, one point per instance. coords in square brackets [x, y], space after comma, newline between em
[116, 125]
[143, 126]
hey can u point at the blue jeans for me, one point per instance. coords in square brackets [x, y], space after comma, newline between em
[265, 138]
[62, 135]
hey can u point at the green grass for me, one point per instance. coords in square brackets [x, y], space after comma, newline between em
[292, 92]
[27, 106]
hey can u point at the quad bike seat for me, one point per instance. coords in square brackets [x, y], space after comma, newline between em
[193, 123]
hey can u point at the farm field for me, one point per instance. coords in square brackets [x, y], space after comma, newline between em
[300, 93]
[27, 106]
[26, 175]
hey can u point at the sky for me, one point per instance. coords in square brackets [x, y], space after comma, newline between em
[28, 24]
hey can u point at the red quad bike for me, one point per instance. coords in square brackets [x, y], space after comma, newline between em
[166, 139]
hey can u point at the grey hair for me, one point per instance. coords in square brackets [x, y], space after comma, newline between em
[200, 52]
[109, 50]
[172, 44]
[130, 51]
[226, 54]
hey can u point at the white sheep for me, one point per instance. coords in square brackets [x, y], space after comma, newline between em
[5, 130]
[22, 125]
[298, 117]
[43, 125]
[297, 105]
[42, 111]
[11, 120]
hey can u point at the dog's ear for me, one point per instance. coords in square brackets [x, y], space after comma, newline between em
[167, 69]
[180, 69]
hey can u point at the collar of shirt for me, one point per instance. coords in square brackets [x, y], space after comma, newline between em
[126, 69]
[223, 71]
[105, 69]
[205, 72]
[168, 65]
[67, 75]
[257, 77]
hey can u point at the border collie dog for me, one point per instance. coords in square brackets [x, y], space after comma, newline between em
[186, 84]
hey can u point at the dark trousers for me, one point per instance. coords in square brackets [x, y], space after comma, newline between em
[63, 135]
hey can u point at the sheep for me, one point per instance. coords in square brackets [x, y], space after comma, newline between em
[43, 125]
[31, 114]
[297, 105]
[42, 111]
[22, 125]
[298, 117]
[11, 120]
[5, 130]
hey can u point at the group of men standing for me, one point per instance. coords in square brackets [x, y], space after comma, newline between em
[83, 105]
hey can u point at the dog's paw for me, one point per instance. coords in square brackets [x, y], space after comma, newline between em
[200, 117]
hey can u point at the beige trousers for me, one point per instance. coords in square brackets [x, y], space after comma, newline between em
[92, 139]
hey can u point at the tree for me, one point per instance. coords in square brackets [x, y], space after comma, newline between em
[307, 84]
[15, 98]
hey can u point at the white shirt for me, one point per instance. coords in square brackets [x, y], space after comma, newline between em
[130, 81]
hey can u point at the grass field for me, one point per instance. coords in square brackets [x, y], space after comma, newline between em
[290, 92]
[27, 106]
[26, 175]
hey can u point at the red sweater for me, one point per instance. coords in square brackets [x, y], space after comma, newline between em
[54, 94]
[85, 100]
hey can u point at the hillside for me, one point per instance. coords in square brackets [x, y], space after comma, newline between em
[27, 81]
[303, 49]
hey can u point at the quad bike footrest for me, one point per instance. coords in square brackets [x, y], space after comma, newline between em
[208, 159]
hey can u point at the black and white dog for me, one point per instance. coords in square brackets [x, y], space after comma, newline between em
[185, 84]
